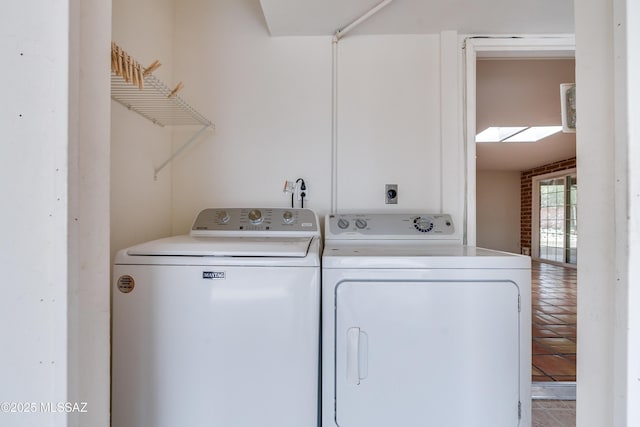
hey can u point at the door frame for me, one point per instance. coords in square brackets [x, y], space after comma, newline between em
[552, 46]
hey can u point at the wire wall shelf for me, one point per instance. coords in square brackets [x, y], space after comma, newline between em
[155, 103]
[159, 104]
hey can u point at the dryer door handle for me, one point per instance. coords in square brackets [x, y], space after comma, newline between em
[357, 349]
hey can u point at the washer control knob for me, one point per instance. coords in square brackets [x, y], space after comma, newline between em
[361, 223]
[255, 216]
[222, 217]
[343, 223]
[287, 217]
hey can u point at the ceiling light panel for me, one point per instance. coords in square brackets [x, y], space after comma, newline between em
[533, 134]
[498, 134]
[516, 133]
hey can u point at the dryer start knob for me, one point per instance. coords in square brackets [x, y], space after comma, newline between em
[343, 223]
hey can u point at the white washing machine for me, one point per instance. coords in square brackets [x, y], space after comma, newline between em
[419, 330]
[220, 327]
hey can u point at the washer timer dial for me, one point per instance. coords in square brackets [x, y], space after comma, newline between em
[255, 216]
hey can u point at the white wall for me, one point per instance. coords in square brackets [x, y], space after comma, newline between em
[389, 122]
[140, 205]
[270, 99]
[498, 210]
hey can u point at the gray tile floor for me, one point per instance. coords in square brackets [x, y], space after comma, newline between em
[553, 413]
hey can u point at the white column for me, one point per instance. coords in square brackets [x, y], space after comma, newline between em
[596, 180]
[34, 47]
[88, 343]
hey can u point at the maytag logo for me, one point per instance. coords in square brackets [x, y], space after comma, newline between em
[213, 275]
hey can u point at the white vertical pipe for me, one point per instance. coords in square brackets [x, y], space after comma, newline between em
[469, 225]
[443, 94]
[334, 125]
[451, 138]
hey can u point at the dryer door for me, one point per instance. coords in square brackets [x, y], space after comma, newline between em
[427, 354]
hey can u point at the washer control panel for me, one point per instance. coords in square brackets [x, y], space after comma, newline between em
[217, 221]
[390, 226]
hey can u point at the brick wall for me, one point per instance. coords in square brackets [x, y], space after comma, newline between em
[526, 191]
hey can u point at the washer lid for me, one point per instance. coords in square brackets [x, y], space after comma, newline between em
[287, 247]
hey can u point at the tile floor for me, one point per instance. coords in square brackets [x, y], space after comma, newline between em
[553, 315]
[553, 413]
[553, 299]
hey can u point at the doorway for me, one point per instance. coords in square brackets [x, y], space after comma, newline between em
[558, 241]
[555, 213]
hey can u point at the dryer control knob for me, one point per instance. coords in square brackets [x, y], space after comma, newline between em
[423, 224]
[361, 223]
[287, 217]
[255, 216]
[222, 217]
[343, 223]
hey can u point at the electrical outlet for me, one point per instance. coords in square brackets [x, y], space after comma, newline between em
[299, 191]
[391, 194]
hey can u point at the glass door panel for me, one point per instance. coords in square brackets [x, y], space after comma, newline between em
[558, 227]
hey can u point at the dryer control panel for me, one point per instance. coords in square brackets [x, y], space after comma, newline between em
[245, 221]
[390, 226]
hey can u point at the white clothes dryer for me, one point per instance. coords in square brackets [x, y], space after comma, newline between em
[220, 327]
[420, 330]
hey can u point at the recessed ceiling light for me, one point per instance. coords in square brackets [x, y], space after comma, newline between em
[516, 133]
